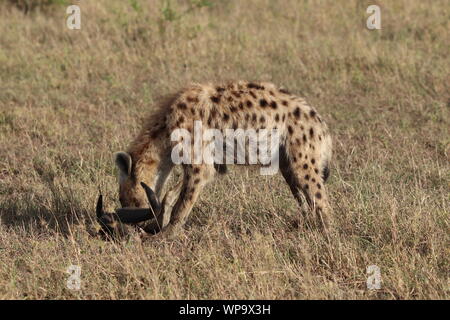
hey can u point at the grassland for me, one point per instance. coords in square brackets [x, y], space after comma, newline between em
[70, 98]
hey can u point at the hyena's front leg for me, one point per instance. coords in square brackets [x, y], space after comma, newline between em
[196, 177]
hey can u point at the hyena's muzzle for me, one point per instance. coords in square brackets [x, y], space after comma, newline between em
[114, 225]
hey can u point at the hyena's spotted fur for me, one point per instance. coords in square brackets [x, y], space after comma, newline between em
[305, 144]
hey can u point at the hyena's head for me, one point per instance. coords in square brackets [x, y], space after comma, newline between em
[131, 194]
[116, 225]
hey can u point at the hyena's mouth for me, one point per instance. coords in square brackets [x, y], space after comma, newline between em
[110, 222]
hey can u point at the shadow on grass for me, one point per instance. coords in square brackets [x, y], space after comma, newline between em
[59, 212]
[59, 216]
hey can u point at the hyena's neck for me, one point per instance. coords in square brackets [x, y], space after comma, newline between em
[149, 152]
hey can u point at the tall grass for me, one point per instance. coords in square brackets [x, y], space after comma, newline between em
[70, 98]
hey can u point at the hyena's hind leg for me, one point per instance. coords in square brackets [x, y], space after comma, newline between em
[195, 178]
[305, 175]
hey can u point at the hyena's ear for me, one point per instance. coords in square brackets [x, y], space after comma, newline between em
[123, 162]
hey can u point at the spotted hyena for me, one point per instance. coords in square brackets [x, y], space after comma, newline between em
[304, 146]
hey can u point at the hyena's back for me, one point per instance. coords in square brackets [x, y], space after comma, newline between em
[248, 105]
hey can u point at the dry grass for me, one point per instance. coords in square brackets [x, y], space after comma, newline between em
[69, 99]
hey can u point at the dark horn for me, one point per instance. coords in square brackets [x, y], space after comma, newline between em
[152, 199]
[133, 215]
[99, 208]
[136, 215]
